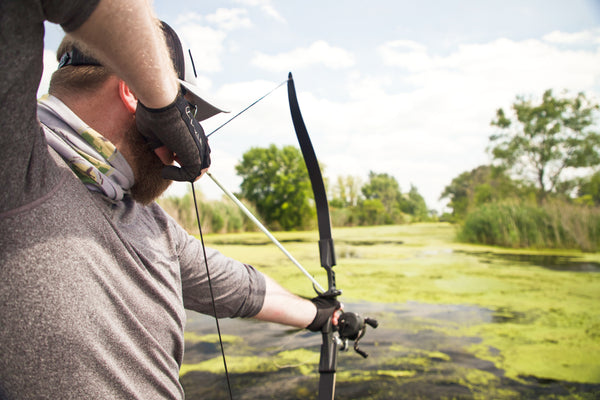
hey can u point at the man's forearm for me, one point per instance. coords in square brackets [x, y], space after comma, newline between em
[124, 35]
[286, 308]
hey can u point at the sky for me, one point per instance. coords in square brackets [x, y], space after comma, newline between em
[406, 88]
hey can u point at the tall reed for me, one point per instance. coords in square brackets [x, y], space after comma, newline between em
[556, 225]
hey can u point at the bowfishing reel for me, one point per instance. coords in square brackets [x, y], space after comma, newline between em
[352, 326]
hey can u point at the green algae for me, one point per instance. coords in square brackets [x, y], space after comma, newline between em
[193, 338]
[484, 385]
[556, 353]
[235, 364]
[302, 360]
[542, 323]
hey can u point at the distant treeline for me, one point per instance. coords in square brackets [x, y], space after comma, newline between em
[377, 202]
[542, 189]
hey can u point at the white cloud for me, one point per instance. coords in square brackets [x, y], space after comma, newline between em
[318, 53]
[583, 37]
[207, 45]
[406, 54]
[444, 114]
[266, 119]
[492, 71]
[265, 6]
[230, 19]
[189, 18]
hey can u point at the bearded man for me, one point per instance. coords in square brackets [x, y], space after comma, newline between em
[93, 302]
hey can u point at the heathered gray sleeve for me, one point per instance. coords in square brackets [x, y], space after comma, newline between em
[69, 14]
[239, 288]
[27, 173]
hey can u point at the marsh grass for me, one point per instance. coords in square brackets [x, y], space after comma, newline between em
[555, 225]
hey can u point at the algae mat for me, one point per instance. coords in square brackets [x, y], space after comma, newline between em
[456, 321]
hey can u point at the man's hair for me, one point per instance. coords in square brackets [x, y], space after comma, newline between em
[76, 79]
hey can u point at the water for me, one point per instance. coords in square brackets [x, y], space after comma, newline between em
[553, 262]
[418, 351]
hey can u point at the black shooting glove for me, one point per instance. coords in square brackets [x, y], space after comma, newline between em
[325, 308]
[175, 127]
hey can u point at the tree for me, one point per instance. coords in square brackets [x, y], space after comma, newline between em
[414, 204]
[481, 185]
[589, 190]
[277, 183]
[385, 188]
[547, 139]
[372, 212]
[346, 191]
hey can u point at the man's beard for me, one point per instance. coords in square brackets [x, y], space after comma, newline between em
[146, 167]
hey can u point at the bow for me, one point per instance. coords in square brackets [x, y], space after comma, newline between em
[351, 326]
[328, 360]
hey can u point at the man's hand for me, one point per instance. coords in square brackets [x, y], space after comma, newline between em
[327, 307]
[176, 128]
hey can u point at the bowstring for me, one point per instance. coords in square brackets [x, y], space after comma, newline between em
[212, 296]
[245, 109]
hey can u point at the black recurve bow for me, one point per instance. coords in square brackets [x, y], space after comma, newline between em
[328, 360]
[351, 325]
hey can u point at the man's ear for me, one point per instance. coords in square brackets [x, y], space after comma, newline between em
[127, 97]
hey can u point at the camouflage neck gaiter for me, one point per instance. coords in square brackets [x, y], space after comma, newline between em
[94, 159]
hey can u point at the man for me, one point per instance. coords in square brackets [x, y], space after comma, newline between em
[94, 282]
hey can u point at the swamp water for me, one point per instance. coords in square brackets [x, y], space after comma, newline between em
[462, 322]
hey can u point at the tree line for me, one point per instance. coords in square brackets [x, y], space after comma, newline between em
[545, 157]
[276, 188]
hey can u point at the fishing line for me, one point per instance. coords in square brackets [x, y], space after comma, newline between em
[241, 112]
[210, 289]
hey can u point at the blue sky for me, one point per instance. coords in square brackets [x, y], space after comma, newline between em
[402, 87]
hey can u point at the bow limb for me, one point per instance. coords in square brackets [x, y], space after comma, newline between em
[328, 361]
[326, 249]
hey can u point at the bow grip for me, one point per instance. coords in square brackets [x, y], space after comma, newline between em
[327, 253]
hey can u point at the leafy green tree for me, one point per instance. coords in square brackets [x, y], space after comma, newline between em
[385, 188]
[414, 204]
[481, 185]
[589, 190]
[276, 181]
[372, 212]
[544, 140]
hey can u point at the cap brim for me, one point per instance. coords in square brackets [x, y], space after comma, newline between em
[205, 109]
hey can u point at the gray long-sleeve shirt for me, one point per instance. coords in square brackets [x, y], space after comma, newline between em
[92, 292]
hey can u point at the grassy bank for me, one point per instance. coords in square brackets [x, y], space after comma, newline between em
[542, 323]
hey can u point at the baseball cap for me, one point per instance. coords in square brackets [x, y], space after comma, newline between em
[184, 66]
